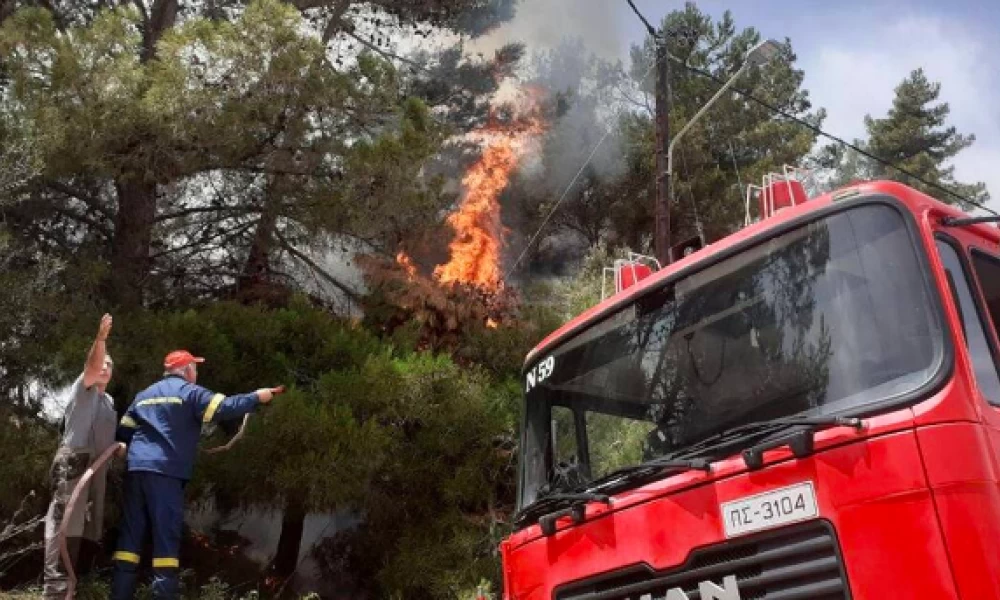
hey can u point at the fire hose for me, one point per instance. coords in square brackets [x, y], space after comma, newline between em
[85, 481]
[233, 440]
[74, 497]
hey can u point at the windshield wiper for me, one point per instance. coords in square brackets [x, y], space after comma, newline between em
[570, 504]
[726, 438]
[747, 432]
[549, 509]
[801, 441]
[632, 473]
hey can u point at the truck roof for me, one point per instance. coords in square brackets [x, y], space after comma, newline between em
[917, 202]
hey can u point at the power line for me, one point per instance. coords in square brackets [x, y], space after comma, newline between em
[569, 186]
[812, 127]
[555, 207]
[565, 192]
[830, 136]
[649, 28]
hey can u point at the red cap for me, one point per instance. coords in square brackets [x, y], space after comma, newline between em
[179, 359]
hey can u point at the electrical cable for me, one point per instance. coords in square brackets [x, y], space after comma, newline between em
[736, 168]
[815, 129]
[565, 192]
[699, 227]
[652, 30]
[818, 131]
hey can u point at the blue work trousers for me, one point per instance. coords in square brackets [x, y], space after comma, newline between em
[152, 502]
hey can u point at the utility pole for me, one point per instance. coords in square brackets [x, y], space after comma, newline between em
[662, 211]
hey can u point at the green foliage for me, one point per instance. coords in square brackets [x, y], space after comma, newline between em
[33, 444]
[236, 137]
[483, 590]
[94, 589]
[446, 481]
[490, 329]
[735, 144]
[237, 124]
[416, 446]
[615, 442]
[184, 151]
[738, 142]
[19, 162]
[560, 300]
[29, 446]
[914, 136]
[576, 294]
[502, 350]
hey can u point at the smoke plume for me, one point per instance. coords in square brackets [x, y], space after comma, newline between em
[543, 24]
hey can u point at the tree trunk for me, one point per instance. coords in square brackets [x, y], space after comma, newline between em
[130, 263]
[255, 277]
[7, 8]
[133, 235]
[293, 522]
[161, 17]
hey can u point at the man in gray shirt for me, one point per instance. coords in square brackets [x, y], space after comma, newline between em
[88, 430]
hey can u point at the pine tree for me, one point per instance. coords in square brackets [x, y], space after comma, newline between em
[158, 134]
[157, 154]
[914, 136]
[737, 142]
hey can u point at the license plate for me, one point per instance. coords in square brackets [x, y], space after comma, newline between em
[764, 511]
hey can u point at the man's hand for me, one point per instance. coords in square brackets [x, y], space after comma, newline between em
[266, 394]
[121, 451]
[98, 354]
[105, 328]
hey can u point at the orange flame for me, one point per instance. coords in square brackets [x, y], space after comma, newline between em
[406, 262]
[479, 232]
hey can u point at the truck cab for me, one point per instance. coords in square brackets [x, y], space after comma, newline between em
[808, 408]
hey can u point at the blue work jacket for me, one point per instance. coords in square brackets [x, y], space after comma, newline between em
[163, 425]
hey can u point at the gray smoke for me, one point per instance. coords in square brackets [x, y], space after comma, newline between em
[543, 24]
[572, 49]
[568, 44]
[584, 129]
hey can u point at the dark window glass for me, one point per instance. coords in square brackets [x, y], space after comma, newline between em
[567, 468]
[616, 441]
[988, 270]
[826, 318]
[975, 334]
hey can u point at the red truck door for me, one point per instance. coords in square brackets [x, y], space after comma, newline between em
[967, 492]
[986, 269]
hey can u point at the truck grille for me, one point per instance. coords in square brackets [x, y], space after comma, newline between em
[798, 562]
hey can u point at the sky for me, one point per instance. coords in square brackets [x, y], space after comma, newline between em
[854, 53]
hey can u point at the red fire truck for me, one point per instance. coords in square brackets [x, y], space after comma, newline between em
[806, 409]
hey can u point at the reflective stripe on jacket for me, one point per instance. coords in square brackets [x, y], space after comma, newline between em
[163, 424]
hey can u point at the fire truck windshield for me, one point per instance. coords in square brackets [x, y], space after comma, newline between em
[828, 318]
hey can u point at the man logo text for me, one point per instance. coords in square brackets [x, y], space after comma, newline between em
[706, 591]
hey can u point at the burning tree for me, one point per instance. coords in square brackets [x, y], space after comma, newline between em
[479, 233]
[467, 292]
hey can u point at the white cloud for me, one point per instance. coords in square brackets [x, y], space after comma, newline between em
[853, 75]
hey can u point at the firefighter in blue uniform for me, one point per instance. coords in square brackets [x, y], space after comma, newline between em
[162, 428]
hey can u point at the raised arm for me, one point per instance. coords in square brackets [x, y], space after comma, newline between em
[209, 406]
[97, 354]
